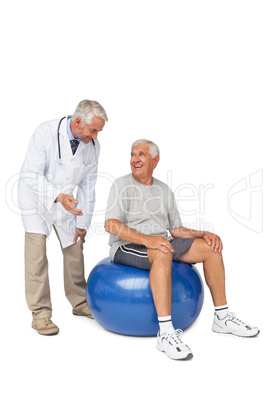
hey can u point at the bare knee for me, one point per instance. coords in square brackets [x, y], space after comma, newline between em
[202, 252]
[213, 256]
[158, 257]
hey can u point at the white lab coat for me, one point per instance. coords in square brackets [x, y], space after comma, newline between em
[42, 179]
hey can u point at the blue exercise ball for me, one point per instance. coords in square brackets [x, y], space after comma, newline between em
[120, 298]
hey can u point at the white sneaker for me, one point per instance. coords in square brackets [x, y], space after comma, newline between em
[172, 345]
[232, 325]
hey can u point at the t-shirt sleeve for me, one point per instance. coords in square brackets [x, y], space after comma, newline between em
[173, 213]
[117, 203]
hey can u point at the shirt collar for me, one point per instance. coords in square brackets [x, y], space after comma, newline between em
[69, 131]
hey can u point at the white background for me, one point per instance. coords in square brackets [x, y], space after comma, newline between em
[191, 76]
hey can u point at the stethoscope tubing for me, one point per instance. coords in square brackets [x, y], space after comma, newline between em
[58, 134]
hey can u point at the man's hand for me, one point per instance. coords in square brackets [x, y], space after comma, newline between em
[66, 200]
[214, 241]
[80, 233]
[125, 233]
[159, 243]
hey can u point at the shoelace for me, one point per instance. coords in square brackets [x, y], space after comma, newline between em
[47, 321]
[235, 319]
[174, 336]
[232, 317]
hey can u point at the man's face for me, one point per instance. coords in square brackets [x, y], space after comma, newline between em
[142, 164]
[89, 131]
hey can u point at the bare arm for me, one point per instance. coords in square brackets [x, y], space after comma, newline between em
[185, 232]
[125, 233]
[210, 238]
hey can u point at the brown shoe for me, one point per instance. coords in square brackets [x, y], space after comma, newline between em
[45, 326]
[84, 312]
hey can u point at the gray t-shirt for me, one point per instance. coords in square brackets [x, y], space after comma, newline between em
[150, 210]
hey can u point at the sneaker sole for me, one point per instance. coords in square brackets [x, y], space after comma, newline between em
[185, 356]
[233, 333]
[48, 332]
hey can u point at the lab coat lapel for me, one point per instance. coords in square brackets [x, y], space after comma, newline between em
[80, 148]
[66, 142]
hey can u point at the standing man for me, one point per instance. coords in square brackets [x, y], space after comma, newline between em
[62, 156]
[140, 212]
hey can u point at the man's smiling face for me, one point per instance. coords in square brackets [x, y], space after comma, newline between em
[142, 164]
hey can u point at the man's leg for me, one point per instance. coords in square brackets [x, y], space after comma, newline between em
[224, 321]
[36, 276]
[213, 266]
[168, 340]
[160, 281]
[159, 265]
[74, 278]
[37, 284]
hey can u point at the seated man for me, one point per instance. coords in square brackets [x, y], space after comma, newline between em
[140, 211]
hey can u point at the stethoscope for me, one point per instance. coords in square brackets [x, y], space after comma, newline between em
[58, 135]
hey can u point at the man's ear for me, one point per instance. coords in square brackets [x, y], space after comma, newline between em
[156, 160]
[78, 122]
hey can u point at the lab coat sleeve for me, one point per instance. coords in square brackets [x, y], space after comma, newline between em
[86, 198]
[32, 175]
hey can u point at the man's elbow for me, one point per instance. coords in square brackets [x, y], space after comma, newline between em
[109, 225]
[176, 232]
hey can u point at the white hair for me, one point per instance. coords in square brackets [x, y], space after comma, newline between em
[154, 150]
[87, 109]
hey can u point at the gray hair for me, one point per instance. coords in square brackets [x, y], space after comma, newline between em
[154, 150]
[87, 109]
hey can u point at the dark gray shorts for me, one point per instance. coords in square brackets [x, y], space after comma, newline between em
[135, 255]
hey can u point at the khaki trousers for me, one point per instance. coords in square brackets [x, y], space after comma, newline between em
[36, 275]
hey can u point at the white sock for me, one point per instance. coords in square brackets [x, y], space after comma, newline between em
[165, 324]
[222, 311]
